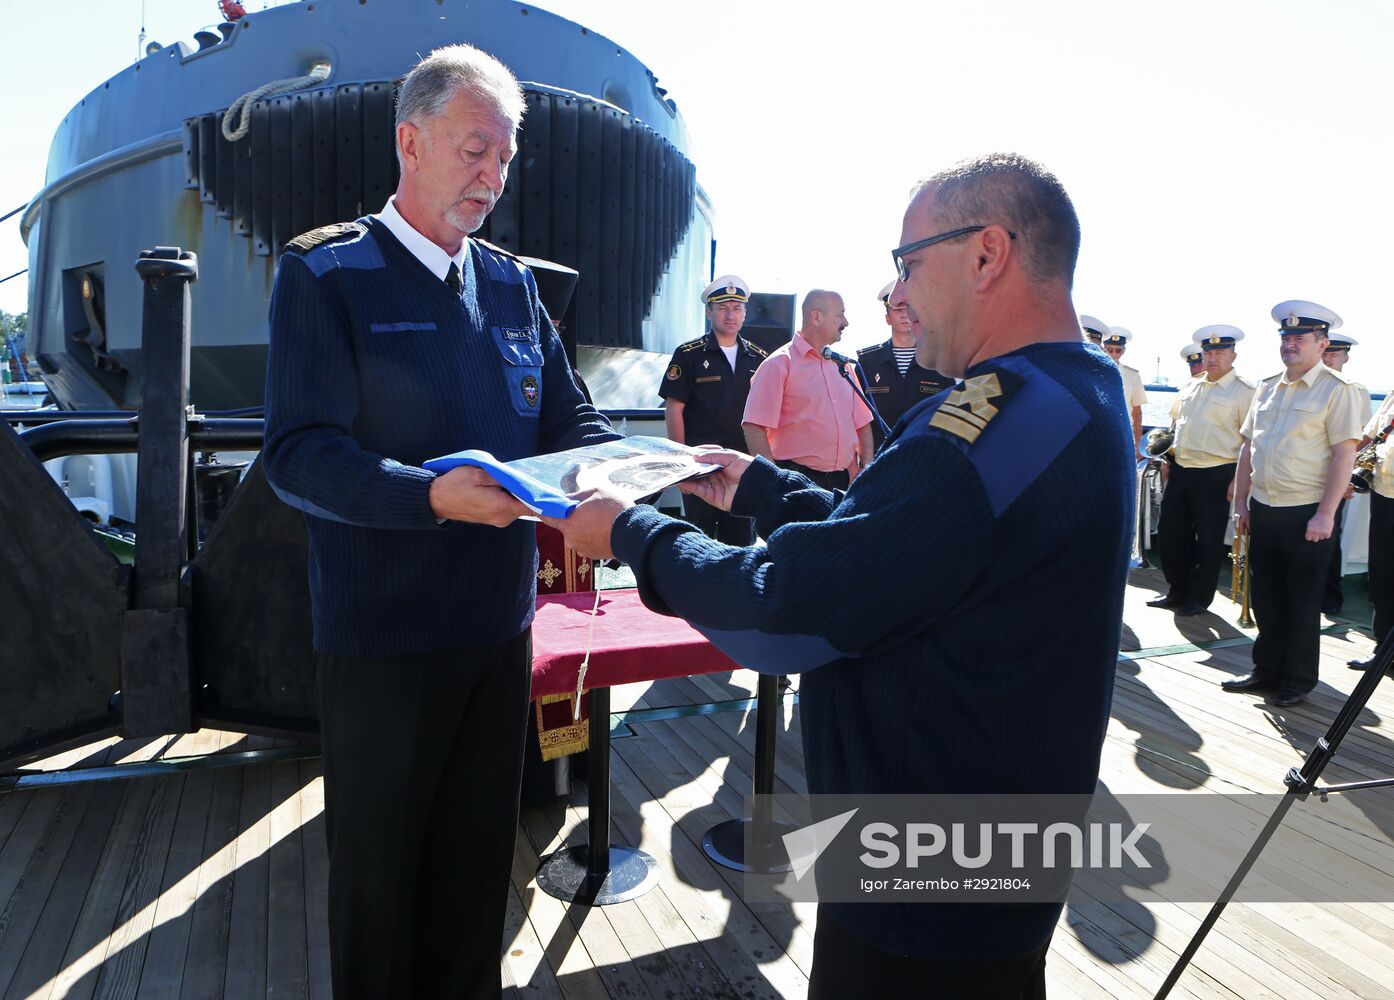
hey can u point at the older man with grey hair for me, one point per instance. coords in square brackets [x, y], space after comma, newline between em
[395, 339]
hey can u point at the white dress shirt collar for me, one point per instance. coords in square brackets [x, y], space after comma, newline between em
[437, 261]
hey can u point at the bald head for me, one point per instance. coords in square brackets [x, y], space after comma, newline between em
[824, 317]
[819, 300]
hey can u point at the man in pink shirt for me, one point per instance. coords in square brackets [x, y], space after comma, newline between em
[801, 413]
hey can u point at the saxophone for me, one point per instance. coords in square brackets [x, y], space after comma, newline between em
[1362, 477]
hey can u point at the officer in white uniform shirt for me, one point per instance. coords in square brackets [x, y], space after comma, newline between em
[1299, 444]
[1194, 358]
[1335, 356]
[1115, 342]
[1207, 416]
[1381, 553]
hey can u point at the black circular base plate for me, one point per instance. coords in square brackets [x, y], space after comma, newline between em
[563, 874]
[725, 844]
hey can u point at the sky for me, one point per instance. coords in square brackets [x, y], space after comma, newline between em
[1222, 156]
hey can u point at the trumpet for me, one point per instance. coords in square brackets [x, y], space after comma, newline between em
[1239, 577]
[1362, 477]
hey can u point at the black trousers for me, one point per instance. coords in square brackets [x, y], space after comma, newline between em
[845, 966]
[1381, 559]
[1287, 579]
[1191, 531]
[835, 480]
[717, 523]
[422, 762]
[1335, 594]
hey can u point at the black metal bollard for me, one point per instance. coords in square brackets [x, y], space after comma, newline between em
[156, 687]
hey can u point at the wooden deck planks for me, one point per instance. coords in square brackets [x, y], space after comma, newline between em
[163, 972]
[21, 912]
[247, 927]
[213, 883]
[287, 974]
[43, 958]
[125, 946]
[205, 958]
[87, 947]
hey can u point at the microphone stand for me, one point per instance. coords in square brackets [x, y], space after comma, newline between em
[842, 370]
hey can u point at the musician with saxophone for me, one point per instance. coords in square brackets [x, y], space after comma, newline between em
[1294, 467]
[1376, 472]
[1208, 415]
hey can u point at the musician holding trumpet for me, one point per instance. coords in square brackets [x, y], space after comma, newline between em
[1299, 443]
[1208, 415]
[1374, 474]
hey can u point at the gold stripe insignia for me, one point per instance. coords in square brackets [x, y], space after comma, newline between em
[969, 408]
[306, 242]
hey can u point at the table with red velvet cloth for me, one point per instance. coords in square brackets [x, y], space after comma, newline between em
[628, 643]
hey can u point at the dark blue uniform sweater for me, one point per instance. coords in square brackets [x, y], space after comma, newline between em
[376, 366]
[966, 596]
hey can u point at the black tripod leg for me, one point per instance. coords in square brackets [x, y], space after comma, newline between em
[1299, 783]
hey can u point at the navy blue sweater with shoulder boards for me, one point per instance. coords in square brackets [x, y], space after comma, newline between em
[376, 366]
[964, 598]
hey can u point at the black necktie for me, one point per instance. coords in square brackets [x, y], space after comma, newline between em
[453, 279]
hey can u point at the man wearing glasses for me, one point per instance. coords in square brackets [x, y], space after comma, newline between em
[893, 381]
[1294, 467]
[985, 663]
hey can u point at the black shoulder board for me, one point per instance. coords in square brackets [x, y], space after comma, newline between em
[967, 411]
[306, 242]
[692, 345]
[755, 348]
[867, 352]
[498, 249]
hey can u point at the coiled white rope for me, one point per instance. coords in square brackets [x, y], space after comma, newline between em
[242, 107]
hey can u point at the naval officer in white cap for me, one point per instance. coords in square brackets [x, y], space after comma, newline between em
[1335, 356]
[1093, 328]
[1194, 358]
[1115, 342]
[704, 392]
[894, 380]
[1207, 415]
[1299, 444]
[1337, 351]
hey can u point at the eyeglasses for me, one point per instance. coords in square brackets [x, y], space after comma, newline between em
[899, 253]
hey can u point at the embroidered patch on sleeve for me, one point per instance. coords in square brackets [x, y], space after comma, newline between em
[970, 408]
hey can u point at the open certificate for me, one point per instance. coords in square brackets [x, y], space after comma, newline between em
[634, 468]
